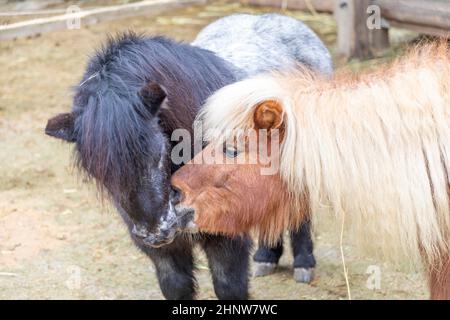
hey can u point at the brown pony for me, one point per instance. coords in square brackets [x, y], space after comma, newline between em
[373, 150]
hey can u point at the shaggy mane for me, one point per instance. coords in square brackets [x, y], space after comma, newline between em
[115, 130]
[374, 149]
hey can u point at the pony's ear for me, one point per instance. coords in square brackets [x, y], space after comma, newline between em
[62, 127]
[152, 96]
[268, 115]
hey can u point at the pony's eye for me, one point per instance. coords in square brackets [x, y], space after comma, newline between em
[230, 151]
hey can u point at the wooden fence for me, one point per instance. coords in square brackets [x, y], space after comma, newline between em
[355, 38]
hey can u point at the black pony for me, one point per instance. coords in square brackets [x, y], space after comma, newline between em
[135, 92]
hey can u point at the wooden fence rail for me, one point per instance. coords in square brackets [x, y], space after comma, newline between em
[91, 16]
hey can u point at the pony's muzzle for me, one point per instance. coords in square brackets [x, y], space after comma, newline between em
[176, 196]
[157, 239]
[166, 231]
[184, 216]
[170, 225]
[161, 238]
[139, 231]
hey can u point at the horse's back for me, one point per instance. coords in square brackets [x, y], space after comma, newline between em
[260, 43]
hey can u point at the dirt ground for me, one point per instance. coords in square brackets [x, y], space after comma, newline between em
[56, 239]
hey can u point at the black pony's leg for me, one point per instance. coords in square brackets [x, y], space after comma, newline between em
[174, 265]
[174, 268]
[228, 260]
[302, 246]
[266, 258]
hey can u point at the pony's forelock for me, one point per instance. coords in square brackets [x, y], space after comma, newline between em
[231, 108]
[116, 145]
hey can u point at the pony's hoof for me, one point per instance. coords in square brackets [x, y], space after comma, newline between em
[303, 275]
[264, 268]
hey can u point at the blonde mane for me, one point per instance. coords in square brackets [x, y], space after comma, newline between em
[375, 149]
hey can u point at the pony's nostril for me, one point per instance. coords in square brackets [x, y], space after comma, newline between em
[176, 195]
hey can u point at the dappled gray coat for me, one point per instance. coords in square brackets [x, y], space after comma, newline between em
[261, 43]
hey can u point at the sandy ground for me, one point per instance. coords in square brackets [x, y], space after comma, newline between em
[58, 242]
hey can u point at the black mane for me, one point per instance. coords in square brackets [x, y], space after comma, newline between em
[115, 132]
